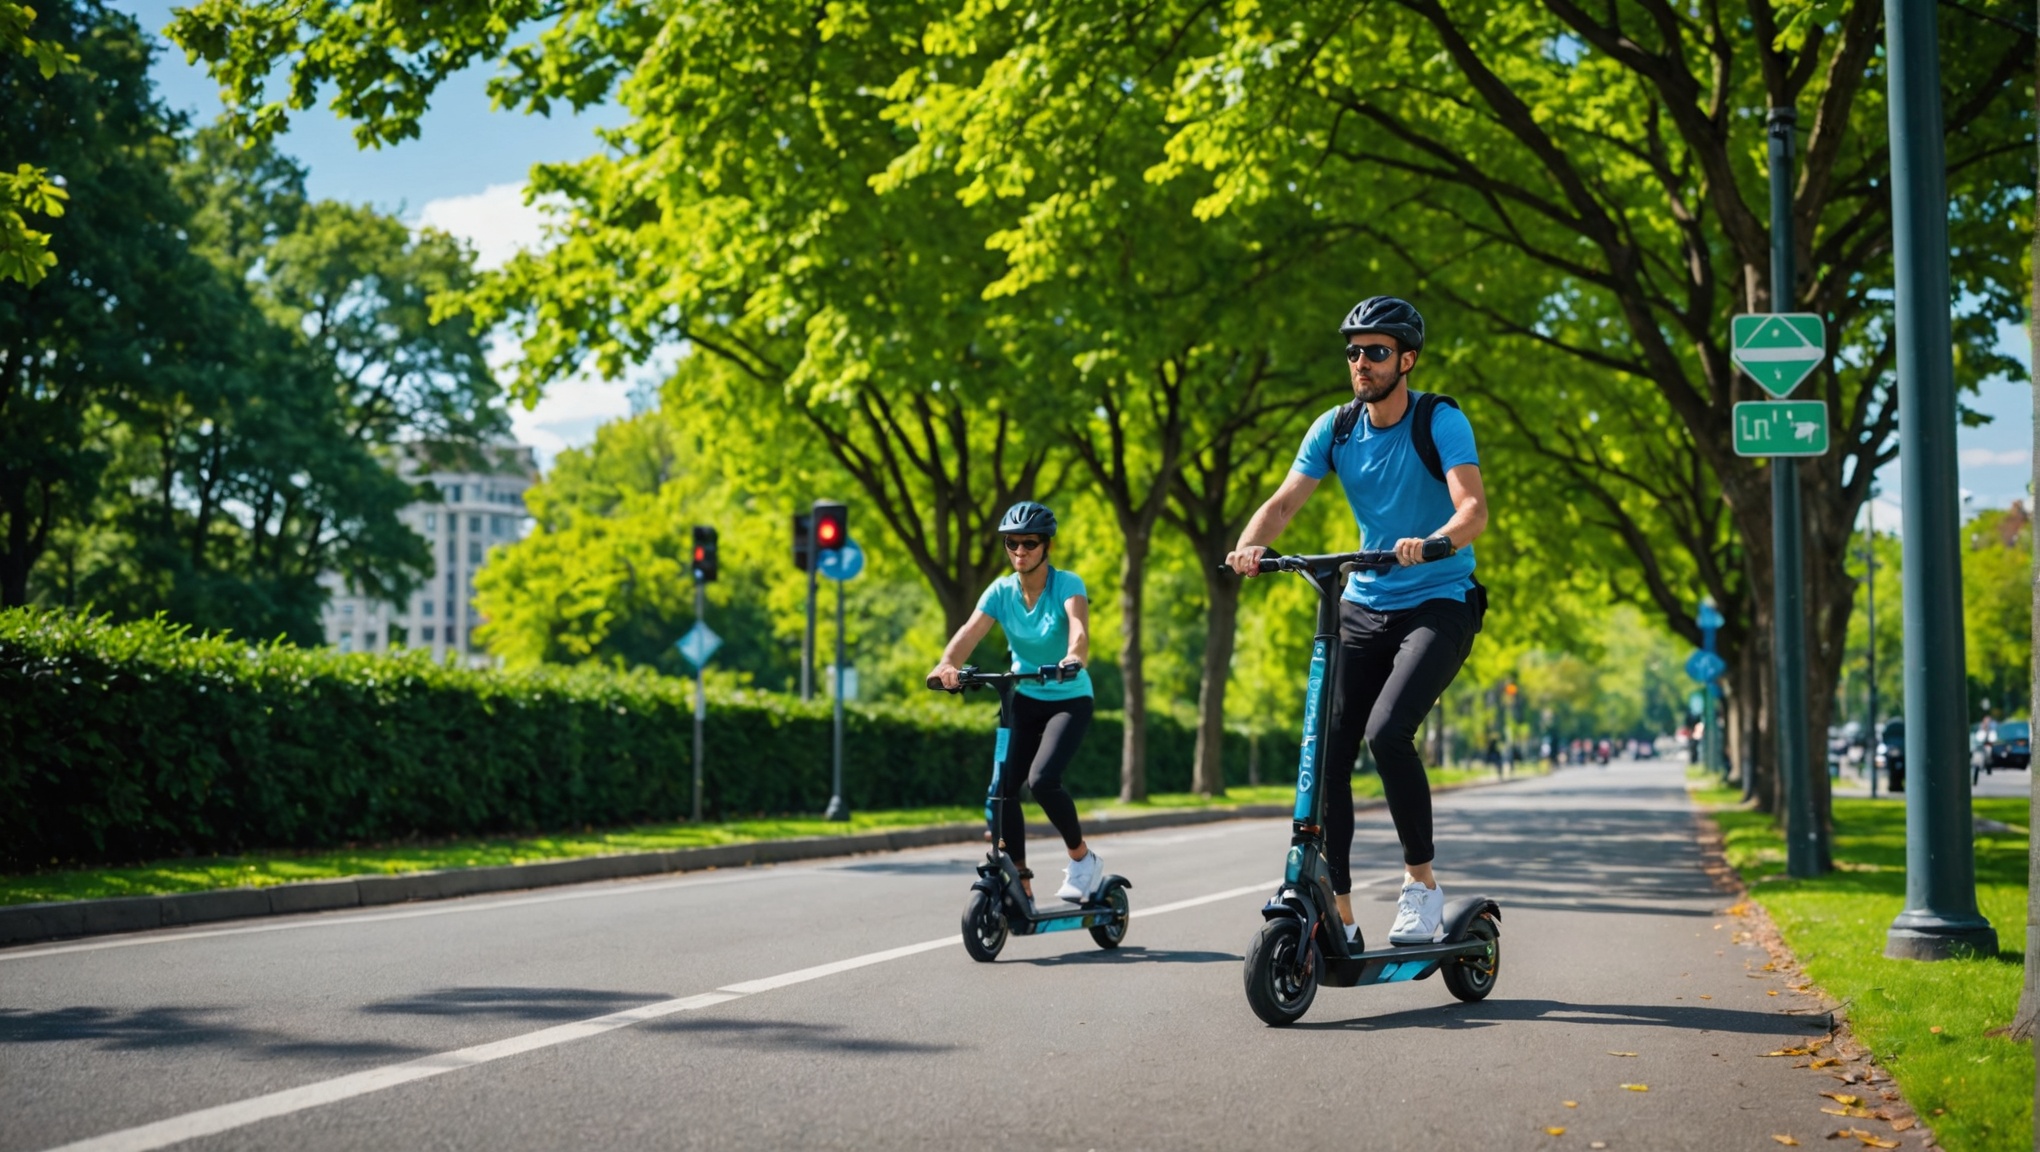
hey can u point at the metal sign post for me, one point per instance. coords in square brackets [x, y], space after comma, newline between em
[839, 565]
[1779, 350]
[1941, 918]
[698, 646]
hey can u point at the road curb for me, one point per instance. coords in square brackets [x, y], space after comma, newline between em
[68, 919]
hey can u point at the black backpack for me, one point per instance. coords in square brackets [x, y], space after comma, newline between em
[1420, 432]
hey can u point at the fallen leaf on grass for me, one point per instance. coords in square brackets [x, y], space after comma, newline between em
[1787, 1141]
[1844, 1098]
[1613, 1052]
[1936, 1029]
[1554, 1131]
[1637, 1087]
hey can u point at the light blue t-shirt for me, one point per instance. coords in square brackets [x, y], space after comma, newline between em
[1394, 496]
[1039, 635]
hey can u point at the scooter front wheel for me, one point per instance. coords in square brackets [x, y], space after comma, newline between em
[984, 927]
[1110, 935]
[1282, 972]
[1471, 978]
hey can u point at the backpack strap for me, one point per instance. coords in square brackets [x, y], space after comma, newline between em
[1420, 432]
[1343, 425]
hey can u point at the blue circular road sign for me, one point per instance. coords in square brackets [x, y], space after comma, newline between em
[842, 563]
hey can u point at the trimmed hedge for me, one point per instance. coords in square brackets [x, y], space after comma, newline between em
[131, 741]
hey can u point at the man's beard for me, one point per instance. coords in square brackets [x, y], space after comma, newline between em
[1374, 393]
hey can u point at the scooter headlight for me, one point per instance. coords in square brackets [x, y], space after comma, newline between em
[1292, 872]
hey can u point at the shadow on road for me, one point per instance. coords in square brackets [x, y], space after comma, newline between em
[910, 867]
[513, 1003]
[143, 1029]
[773, 1034]
[1129, 955]
[1452, 1017]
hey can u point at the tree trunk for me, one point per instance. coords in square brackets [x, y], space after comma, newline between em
[1222, 599]
[1132, 597]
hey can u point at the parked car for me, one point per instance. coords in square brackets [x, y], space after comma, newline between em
[1890, 755]
[2009, 745]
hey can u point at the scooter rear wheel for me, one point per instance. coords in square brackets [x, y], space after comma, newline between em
[1470, 978]
[1277, 991]
[984, 928]
[1109, 935]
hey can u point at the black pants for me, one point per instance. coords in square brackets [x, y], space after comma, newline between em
[1390, 669]
[1045, 738]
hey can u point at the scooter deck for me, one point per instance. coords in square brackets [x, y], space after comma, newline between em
[1063, 916]
[1394, 965]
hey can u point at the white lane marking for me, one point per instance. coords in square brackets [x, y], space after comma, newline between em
[241, 1113]
[340, 917]
[750, 987]
[226, 1117]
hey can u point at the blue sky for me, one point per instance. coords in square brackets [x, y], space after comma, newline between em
[466, 171]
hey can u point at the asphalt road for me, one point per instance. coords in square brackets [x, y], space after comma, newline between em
[829, 1005]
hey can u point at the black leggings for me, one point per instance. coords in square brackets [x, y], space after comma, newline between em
[1045, 738]
[1391, 668]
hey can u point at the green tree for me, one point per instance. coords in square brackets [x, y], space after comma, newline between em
[28, 190]
[86, 343]
[1585, 186]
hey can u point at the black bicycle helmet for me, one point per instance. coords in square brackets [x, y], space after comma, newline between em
[1389, 317]
[1027, 516]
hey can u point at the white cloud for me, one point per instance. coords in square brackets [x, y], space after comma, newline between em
[499, 224]
[1986, 457]
[495, 220]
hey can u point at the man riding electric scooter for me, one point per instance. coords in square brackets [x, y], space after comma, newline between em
[1411, 474]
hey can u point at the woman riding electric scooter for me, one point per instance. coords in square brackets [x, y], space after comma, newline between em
[1046, 618]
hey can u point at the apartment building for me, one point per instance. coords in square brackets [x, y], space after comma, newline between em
[474, 512]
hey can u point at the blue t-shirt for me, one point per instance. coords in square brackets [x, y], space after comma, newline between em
[1039, 635]
[1394, 496]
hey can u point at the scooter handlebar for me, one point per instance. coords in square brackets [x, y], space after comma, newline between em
[1435, 548]
[968, 677]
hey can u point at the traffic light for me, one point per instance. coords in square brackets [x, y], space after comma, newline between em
[1510, 691]
[832, 526]
[803, 542]
[704, 553]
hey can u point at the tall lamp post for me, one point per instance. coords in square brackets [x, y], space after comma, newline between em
[1940, 917]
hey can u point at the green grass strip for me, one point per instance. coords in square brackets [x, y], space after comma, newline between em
[262, 869]
[1928, 1024]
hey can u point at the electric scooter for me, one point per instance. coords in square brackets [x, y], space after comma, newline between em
[1302, 943]
[998, 903]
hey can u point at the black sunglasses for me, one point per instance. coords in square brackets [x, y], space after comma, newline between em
[1016, 544]
[1377, 353]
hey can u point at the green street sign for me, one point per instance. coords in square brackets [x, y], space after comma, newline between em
[1778, 349]
[1781, 428]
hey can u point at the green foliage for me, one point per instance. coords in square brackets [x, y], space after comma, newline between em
[24, 252]
[138, 740]
[204, 405]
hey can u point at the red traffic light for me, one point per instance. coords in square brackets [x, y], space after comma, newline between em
[705, 565]
[832, 526]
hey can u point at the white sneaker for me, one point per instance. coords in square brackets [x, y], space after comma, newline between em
[1080, 879]
[1419, 914]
